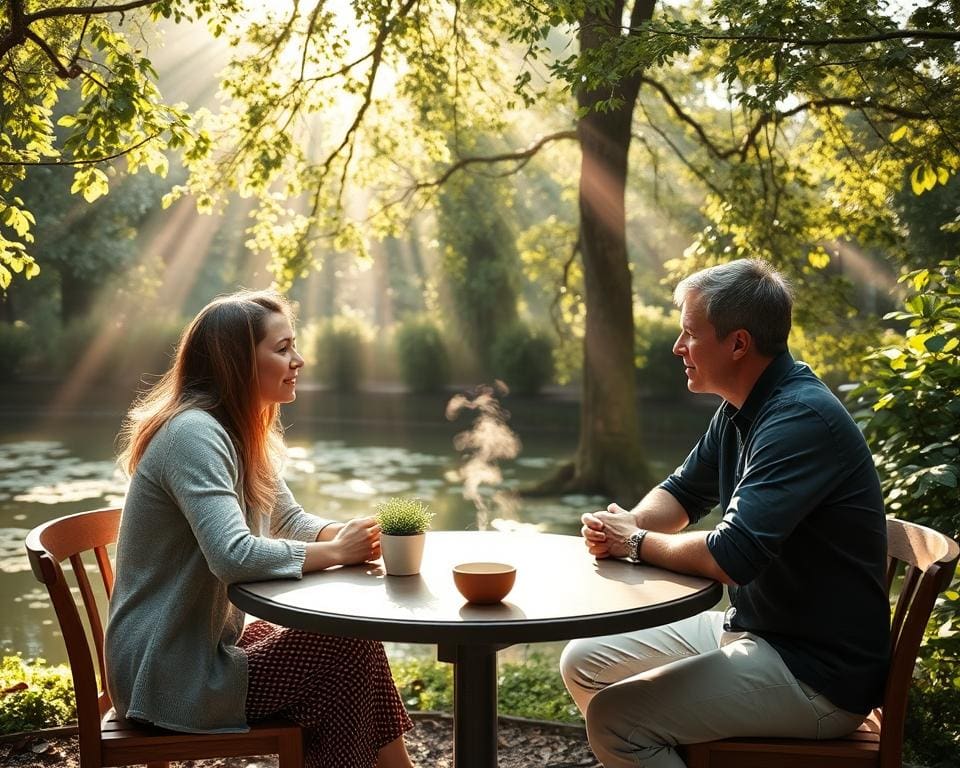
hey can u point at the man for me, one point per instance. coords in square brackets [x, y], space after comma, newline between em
[803, 648]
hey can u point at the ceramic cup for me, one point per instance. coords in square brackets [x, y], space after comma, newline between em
[484, 583]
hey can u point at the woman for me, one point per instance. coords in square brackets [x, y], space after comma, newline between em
[206, 508]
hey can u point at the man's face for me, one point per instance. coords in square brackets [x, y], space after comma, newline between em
[707, 360]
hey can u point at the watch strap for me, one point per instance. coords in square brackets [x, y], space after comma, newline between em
[634, 542]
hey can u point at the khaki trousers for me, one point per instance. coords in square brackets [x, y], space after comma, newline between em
[644, 692]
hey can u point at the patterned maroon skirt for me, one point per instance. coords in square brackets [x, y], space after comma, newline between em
[339, 689]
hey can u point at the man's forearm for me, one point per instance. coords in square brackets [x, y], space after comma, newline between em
[660, 511]
[684, 553]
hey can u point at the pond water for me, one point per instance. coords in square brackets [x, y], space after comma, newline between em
[345, 454]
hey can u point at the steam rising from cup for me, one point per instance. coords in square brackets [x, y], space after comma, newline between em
[486, 443]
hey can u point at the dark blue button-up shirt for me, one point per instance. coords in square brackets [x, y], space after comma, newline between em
[803, 532]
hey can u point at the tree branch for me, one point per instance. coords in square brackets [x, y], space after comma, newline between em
[91, 161]
[852, 103]
[85, 10]
[15, 36]
[556, 317]
[20, 24]
[879, 37]
[763, 119]
[685, 118]
[523, 156]
[62, 70]
[381, 40]
[680, 155]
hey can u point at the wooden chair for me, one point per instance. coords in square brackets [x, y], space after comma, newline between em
[105, 740]
[929, 559]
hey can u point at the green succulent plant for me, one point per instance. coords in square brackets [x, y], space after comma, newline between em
[403, 516]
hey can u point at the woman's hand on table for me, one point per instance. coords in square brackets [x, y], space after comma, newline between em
[356, 541]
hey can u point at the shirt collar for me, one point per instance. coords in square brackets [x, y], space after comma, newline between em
[762, 389]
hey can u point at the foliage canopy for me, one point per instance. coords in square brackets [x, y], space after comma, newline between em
[76, 90]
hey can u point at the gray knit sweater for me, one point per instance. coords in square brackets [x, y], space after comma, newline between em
[185, 535]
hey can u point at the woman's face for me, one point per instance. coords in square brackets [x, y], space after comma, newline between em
[278, 362]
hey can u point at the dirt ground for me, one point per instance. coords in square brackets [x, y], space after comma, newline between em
[522, 745]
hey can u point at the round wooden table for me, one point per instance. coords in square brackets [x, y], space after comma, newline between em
[561, 592]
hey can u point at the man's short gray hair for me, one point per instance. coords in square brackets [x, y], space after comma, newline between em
[748, 294]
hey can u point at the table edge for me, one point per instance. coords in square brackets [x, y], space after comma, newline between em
[504, 632]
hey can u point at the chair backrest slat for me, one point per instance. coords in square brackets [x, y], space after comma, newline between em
[93, 613]
[893, 565]
[908, 589]
[106, 569]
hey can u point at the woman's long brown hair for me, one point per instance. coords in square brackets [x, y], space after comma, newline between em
[215, 370]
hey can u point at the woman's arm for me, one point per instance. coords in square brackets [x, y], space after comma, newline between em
[288, 520]
[198, 470]
[328, 531]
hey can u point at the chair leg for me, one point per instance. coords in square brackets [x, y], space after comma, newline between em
[696, 755]
[290, 750]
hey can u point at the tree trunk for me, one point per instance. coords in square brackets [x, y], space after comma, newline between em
[7, 313]
[76, 297]
[609, 457]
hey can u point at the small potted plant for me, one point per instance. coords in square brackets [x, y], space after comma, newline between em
[403, 525]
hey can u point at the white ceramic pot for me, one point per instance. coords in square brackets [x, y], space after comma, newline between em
[402, 555]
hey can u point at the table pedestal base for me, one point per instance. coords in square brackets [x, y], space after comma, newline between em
[474, 703]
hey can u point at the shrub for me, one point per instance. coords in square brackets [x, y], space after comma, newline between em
[910, 403]
[70, 344]
[910, 412]
[930, 727]
[424, 363]
[526, 689]
[535, 689]
[835, 352]
[35, 695]
[147, 345]
[14, 344]
[339, 352]
[523, 359]
[424, 684]
[123, 348]
[659, 371]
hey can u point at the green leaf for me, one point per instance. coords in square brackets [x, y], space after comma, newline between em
[916, 373]
[922, 179]
[884, 401]
[944, 475]
[915, 184]
[97, 186]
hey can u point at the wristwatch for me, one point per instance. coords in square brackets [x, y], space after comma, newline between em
[633, 545]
